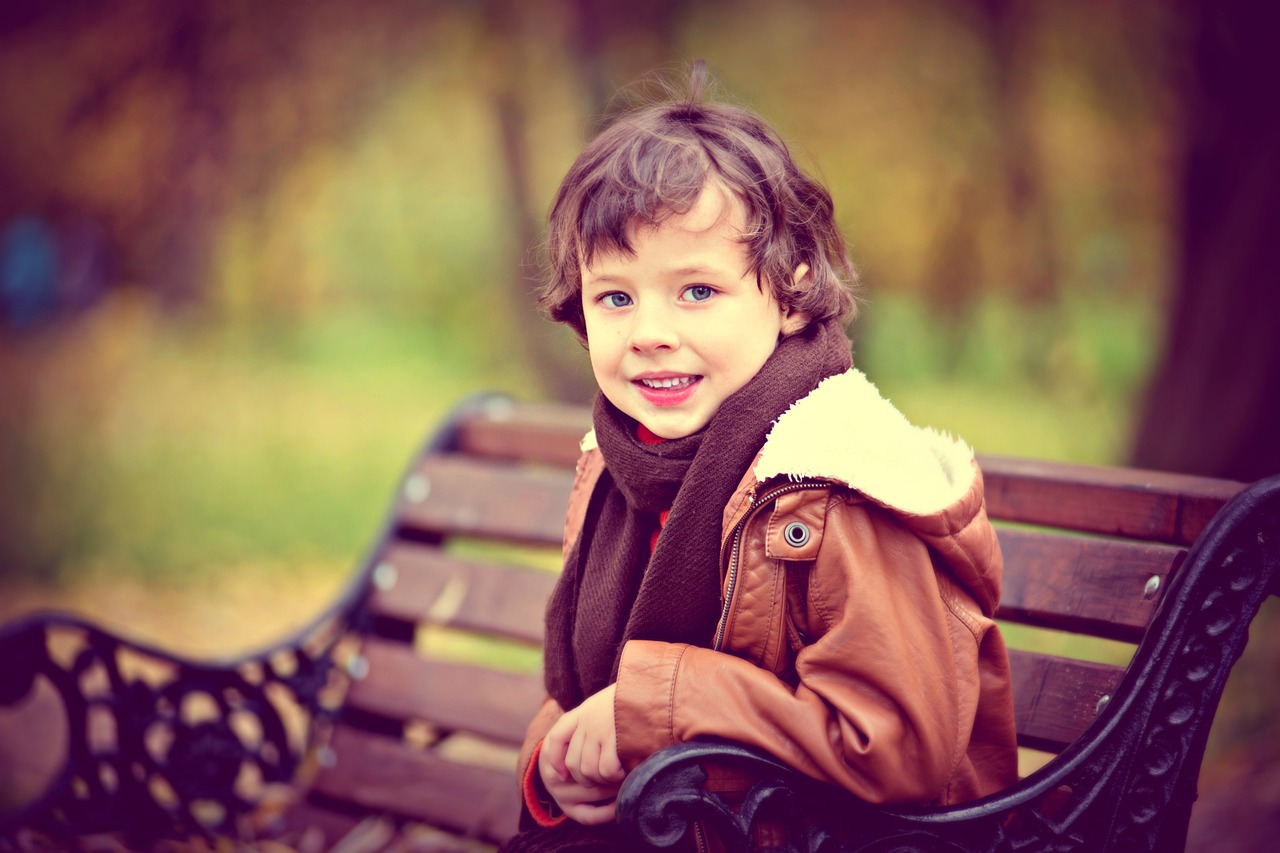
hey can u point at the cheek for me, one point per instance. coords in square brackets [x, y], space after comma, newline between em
[603, 354]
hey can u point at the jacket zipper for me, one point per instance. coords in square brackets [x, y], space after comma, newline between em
[731, 577]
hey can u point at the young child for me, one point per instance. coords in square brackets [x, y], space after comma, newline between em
[758, 546]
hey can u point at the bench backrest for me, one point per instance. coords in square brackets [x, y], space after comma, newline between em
[448, 674]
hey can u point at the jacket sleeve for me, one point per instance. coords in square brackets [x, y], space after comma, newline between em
[876, 706]
[536, 805]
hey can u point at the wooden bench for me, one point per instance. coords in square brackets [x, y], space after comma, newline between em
[408, 697]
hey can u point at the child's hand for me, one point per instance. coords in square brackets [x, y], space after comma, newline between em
[579, 762]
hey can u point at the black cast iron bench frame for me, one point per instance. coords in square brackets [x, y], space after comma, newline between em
[345, 720]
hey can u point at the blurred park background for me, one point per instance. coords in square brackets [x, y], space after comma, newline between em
[251, 251]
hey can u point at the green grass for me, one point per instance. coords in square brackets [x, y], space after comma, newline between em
[1055, 384]
[161, 448]
[173, 447]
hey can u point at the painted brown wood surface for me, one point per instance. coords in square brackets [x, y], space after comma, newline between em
[1125, 502]
[1083, 584]
[545, 433]
[384, 774]
[313, 823]
[400, 684]
[509, 480]
[431, 586]
[461, 496]
[1055, 698]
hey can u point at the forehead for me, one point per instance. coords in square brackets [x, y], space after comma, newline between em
[716, 219]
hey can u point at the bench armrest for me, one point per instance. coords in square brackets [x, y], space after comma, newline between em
[155, 745]
[1126, 784]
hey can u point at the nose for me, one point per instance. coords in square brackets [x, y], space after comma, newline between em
[652, 329]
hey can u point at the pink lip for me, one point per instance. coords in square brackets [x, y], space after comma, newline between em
[666, 397]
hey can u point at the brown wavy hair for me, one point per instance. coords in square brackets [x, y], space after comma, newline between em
[653, 162]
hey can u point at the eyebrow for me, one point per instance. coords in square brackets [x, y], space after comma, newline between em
[695, 270]
[691, 271]
[605, 279]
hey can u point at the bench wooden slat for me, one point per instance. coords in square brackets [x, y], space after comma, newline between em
[1056, 698]
[527, 432]
[461, 496]
[1083, 584]
[488, 702]
[1147, 505]
[384, 774]
[311, 818]
[435, 587]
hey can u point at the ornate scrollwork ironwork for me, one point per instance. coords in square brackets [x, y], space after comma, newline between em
[1126, 784]
[159, 746]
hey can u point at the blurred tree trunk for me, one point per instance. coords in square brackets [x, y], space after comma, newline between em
[1213, 405]
[1018, 199]
[638, 36]
[563, 376]
[1010, 32]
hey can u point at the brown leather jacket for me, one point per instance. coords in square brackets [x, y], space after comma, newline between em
[856, 642]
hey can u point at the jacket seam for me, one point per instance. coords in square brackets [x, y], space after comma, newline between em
[820, 605]
[744, 497]
[779, 579]
[947, 593]
[959, 747]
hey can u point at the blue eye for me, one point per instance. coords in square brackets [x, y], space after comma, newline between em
[616, 300]
[699, 293]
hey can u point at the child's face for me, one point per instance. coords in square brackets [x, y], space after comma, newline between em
[681, 325]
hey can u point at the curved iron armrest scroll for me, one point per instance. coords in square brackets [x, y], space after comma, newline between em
[162, 746]
[157, 746]
[1127, 784]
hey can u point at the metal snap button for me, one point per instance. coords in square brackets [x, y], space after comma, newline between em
[796, 534]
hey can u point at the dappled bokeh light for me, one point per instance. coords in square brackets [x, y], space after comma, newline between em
[251, 248]
[250, 252]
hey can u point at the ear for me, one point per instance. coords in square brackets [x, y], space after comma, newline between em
[793, 319]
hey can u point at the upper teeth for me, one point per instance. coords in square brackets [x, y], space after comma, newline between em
[668, 383]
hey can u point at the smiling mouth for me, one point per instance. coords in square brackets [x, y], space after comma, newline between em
[669, 384]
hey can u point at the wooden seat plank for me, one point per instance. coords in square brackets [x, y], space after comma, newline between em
[461, 496]
[1083, 584]
[488, 702]
[1056, 698]
[529, 432]
[388, 775]
[1146, 505]
[422, 583]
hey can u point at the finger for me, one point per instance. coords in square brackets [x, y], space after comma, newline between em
[555, 746]
[593, 814]
[551, 776]
[611, 769]
[573, 757]
[589, 760]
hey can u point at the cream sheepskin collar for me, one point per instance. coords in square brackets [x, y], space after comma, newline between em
[844, 430]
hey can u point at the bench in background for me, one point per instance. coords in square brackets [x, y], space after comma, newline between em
[408, 698]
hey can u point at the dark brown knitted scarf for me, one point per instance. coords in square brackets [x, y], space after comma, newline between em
[613, 590]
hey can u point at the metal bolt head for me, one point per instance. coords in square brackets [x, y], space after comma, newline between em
[416, 488]
[385, 576]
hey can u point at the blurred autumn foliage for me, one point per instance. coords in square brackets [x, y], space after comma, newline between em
[212, 211]
[974, 146]
[249, 250]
